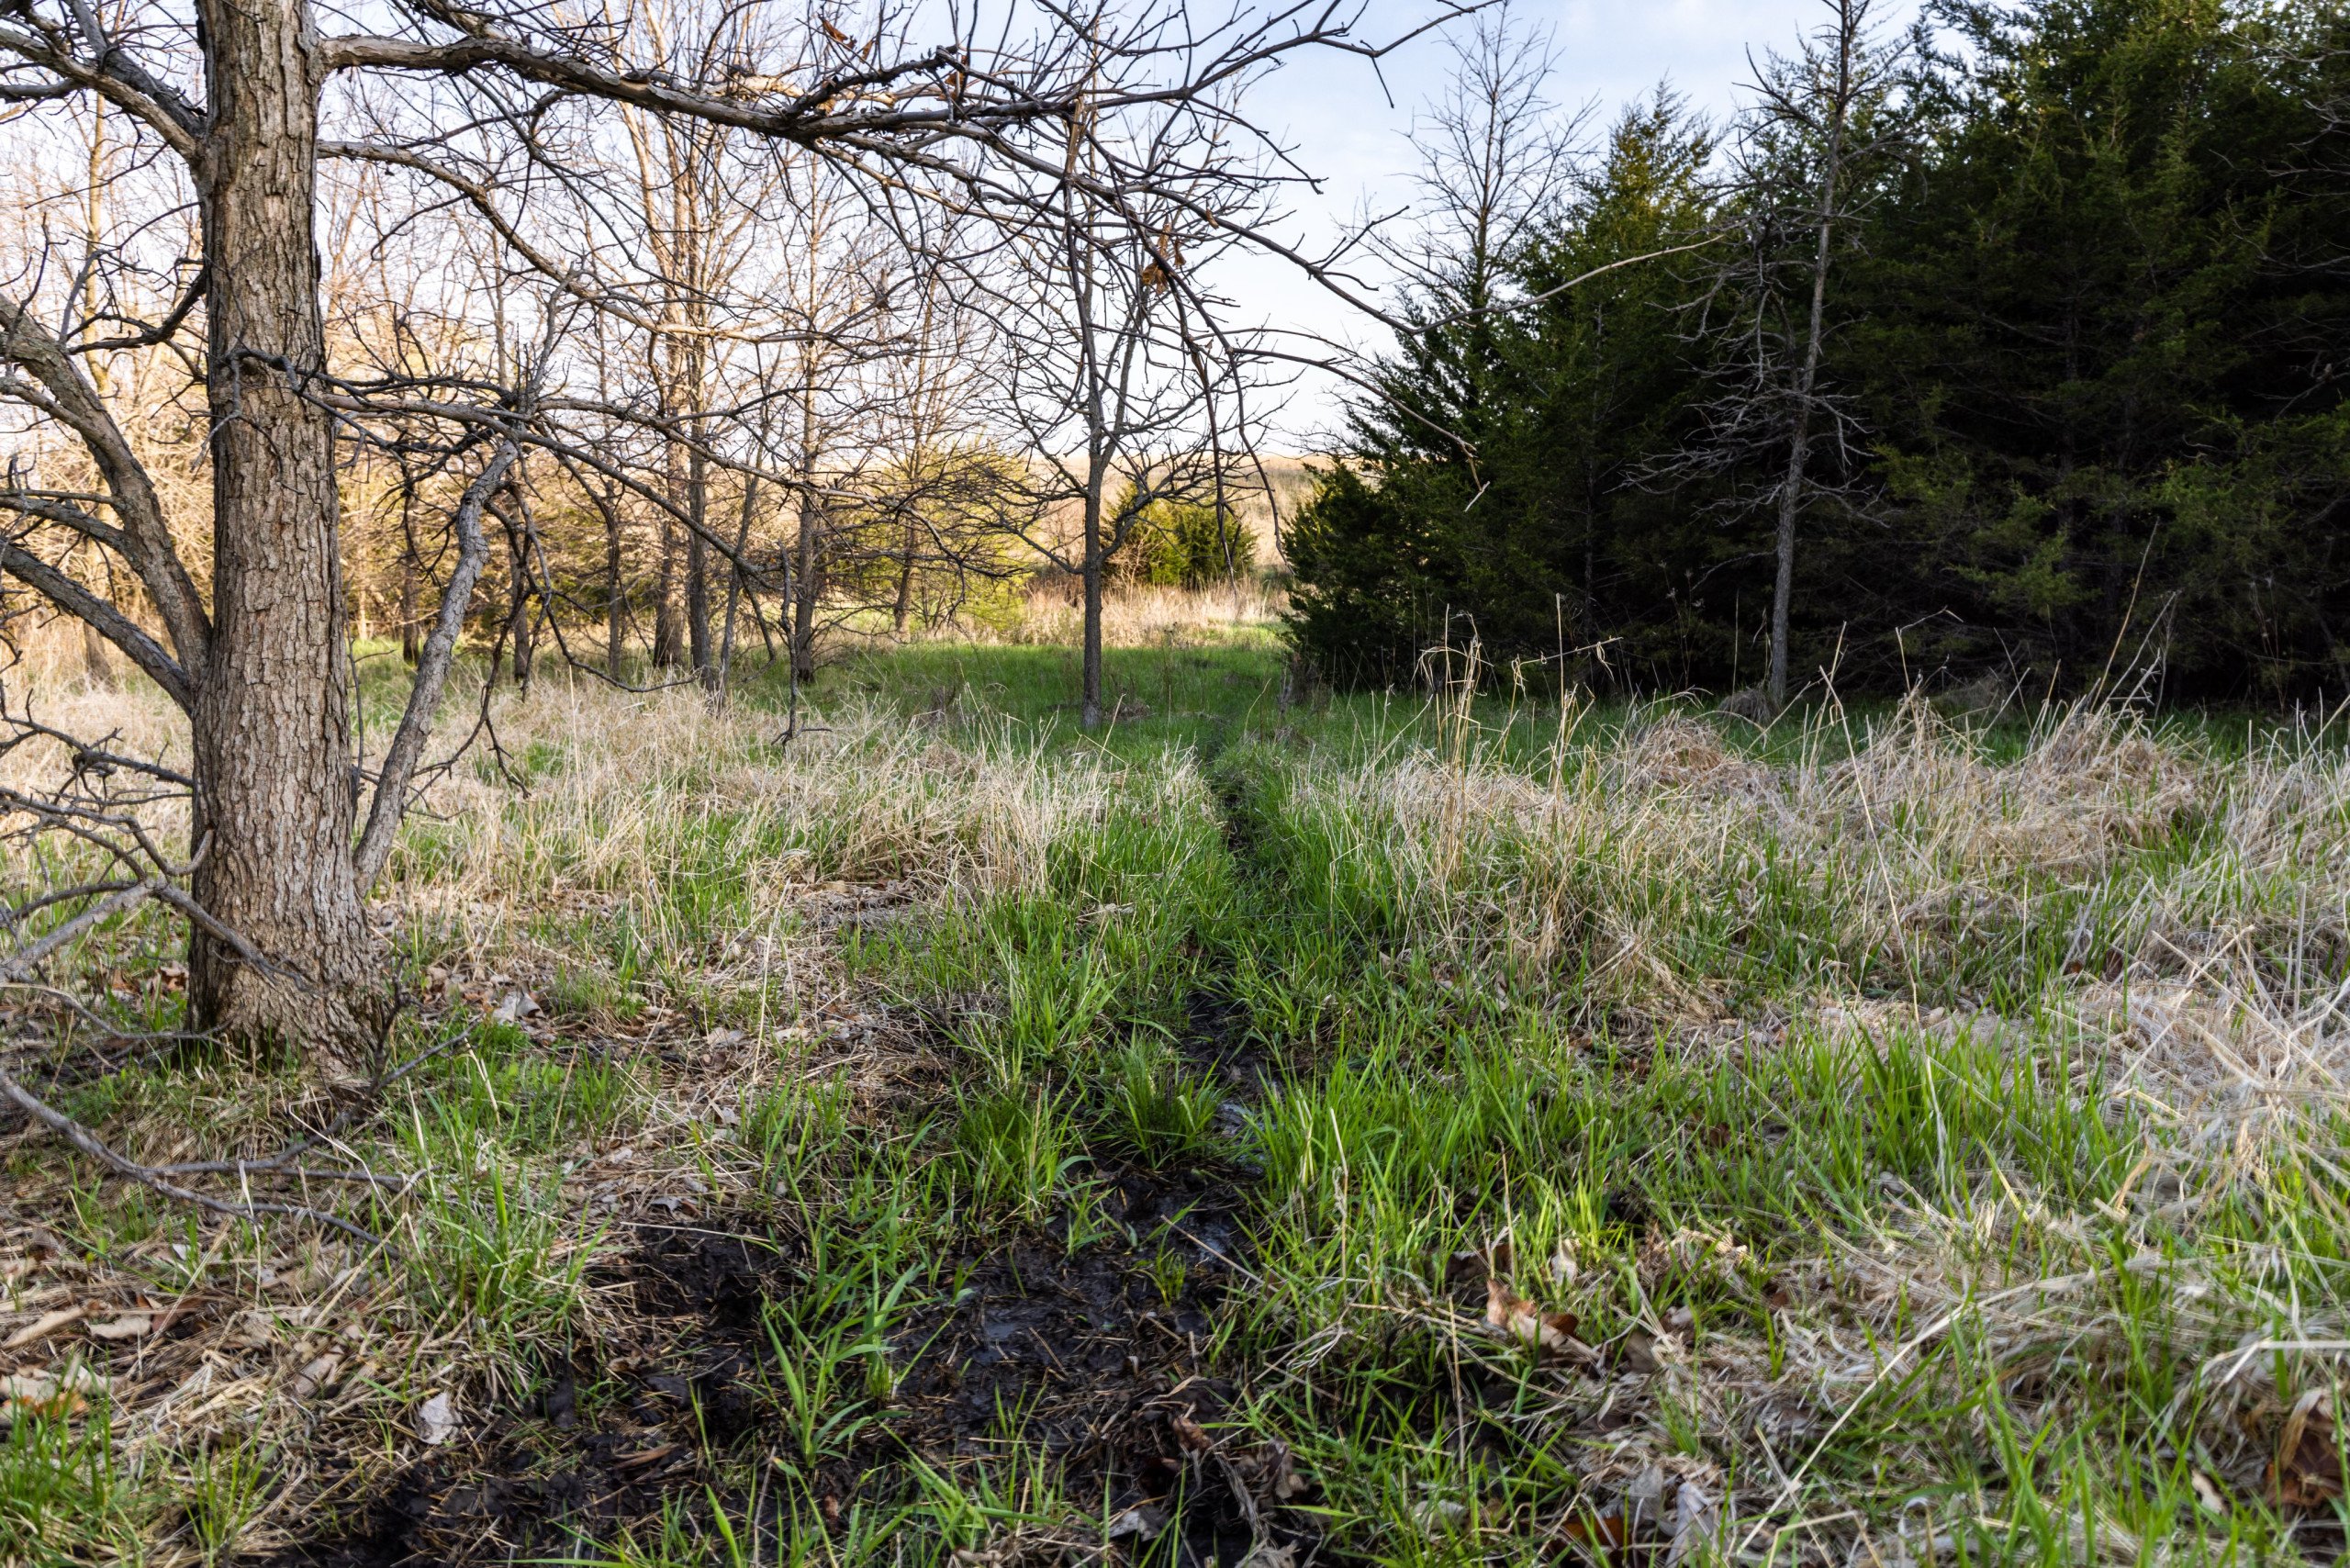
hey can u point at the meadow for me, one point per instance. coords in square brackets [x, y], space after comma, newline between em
[1422, 1128]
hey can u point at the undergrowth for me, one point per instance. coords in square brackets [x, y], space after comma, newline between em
[1878, 1138]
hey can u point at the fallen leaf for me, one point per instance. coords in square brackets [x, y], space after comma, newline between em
[2208, 1492]
[50, 1394]
[1601, 1536]
[515, 1007]
[436, 1420]
[1695, 1523]
[1644, 1351]
[1644, 1495]
[1144, 1523]
[48, 1322]
[642, 1458]
[129, 1326]
[1544, 1333]
[316, 1375]
[1190, 1433]
[2307, 1471]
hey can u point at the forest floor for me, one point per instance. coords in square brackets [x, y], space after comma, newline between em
[1273, 1131]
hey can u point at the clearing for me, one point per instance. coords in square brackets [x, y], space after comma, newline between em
[1280, 1130]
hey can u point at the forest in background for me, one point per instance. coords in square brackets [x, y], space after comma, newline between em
[2022, 336]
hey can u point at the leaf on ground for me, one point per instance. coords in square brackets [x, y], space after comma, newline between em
[1270, 1473]
[436, 1420]
[129, 1326]
[515, 1007]
[53, 1394]
[2307, 1471]
[645, 1458]
[1143, 1522]
[1546, 1334]
[1190, 1433]
[1696, 1521]
[41, 1327]
[1600, 1537]
[1644, 1350]
[318, 1374]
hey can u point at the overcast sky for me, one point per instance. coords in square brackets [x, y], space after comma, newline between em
[1335, 111]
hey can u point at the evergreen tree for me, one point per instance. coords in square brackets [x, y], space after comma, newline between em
[2086, 361]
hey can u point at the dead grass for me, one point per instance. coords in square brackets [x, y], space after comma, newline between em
[2040, 1048]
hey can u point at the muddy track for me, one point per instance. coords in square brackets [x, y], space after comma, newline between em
[1099, 1358]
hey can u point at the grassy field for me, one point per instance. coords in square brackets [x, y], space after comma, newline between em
[1278, 1130]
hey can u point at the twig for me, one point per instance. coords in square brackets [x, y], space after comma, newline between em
[114, 903]
[80, 1138]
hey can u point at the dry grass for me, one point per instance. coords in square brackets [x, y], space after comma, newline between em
[1978, 1098]
[1153, 617]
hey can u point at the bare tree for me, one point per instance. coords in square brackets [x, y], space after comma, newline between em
[1496, 158]
[1118, 379]
[253, 649]
[1811, 153]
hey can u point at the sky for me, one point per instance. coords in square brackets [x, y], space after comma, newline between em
[1335, 111]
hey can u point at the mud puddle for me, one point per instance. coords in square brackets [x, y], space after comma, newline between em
[1098, 1361]
[602, 1444]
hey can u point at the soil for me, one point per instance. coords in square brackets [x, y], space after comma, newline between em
[599, 1446]
[1099, 1355]
[1216, 1041]
[1103, 1357]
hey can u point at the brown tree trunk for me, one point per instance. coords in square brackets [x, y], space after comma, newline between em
[411, 567]
[697, 567]
[615, 600]
[901, 612]
[271, 711]
[664, 597]
[806, 587]
[518, 623]
[1089, 709]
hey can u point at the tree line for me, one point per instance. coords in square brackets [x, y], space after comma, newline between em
[629, 337]
[2008, 347]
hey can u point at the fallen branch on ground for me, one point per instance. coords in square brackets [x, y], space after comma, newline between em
[159, 1179]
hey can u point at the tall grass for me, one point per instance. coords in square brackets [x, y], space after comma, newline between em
[1936, 1134]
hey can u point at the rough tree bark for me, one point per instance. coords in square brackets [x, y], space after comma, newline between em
[1089, 708]
[615, 592]
[698, 567]
[411, 569]
[271, 716]
[665, 596]
[807, 586]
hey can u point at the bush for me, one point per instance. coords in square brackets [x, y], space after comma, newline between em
[1181, 545]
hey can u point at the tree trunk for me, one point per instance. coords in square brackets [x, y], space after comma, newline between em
[664, 597]
[1799, 454]
[271, 718]
[411, 567]
[1832, 180]
[901, 612]
[804, 589]
[698, 567]
[1089, 707]
[517, 628]
[1783, 584]
[734, 584]
[615, 602]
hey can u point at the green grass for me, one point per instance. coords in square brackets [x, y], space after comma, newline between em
[1788, 1064]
